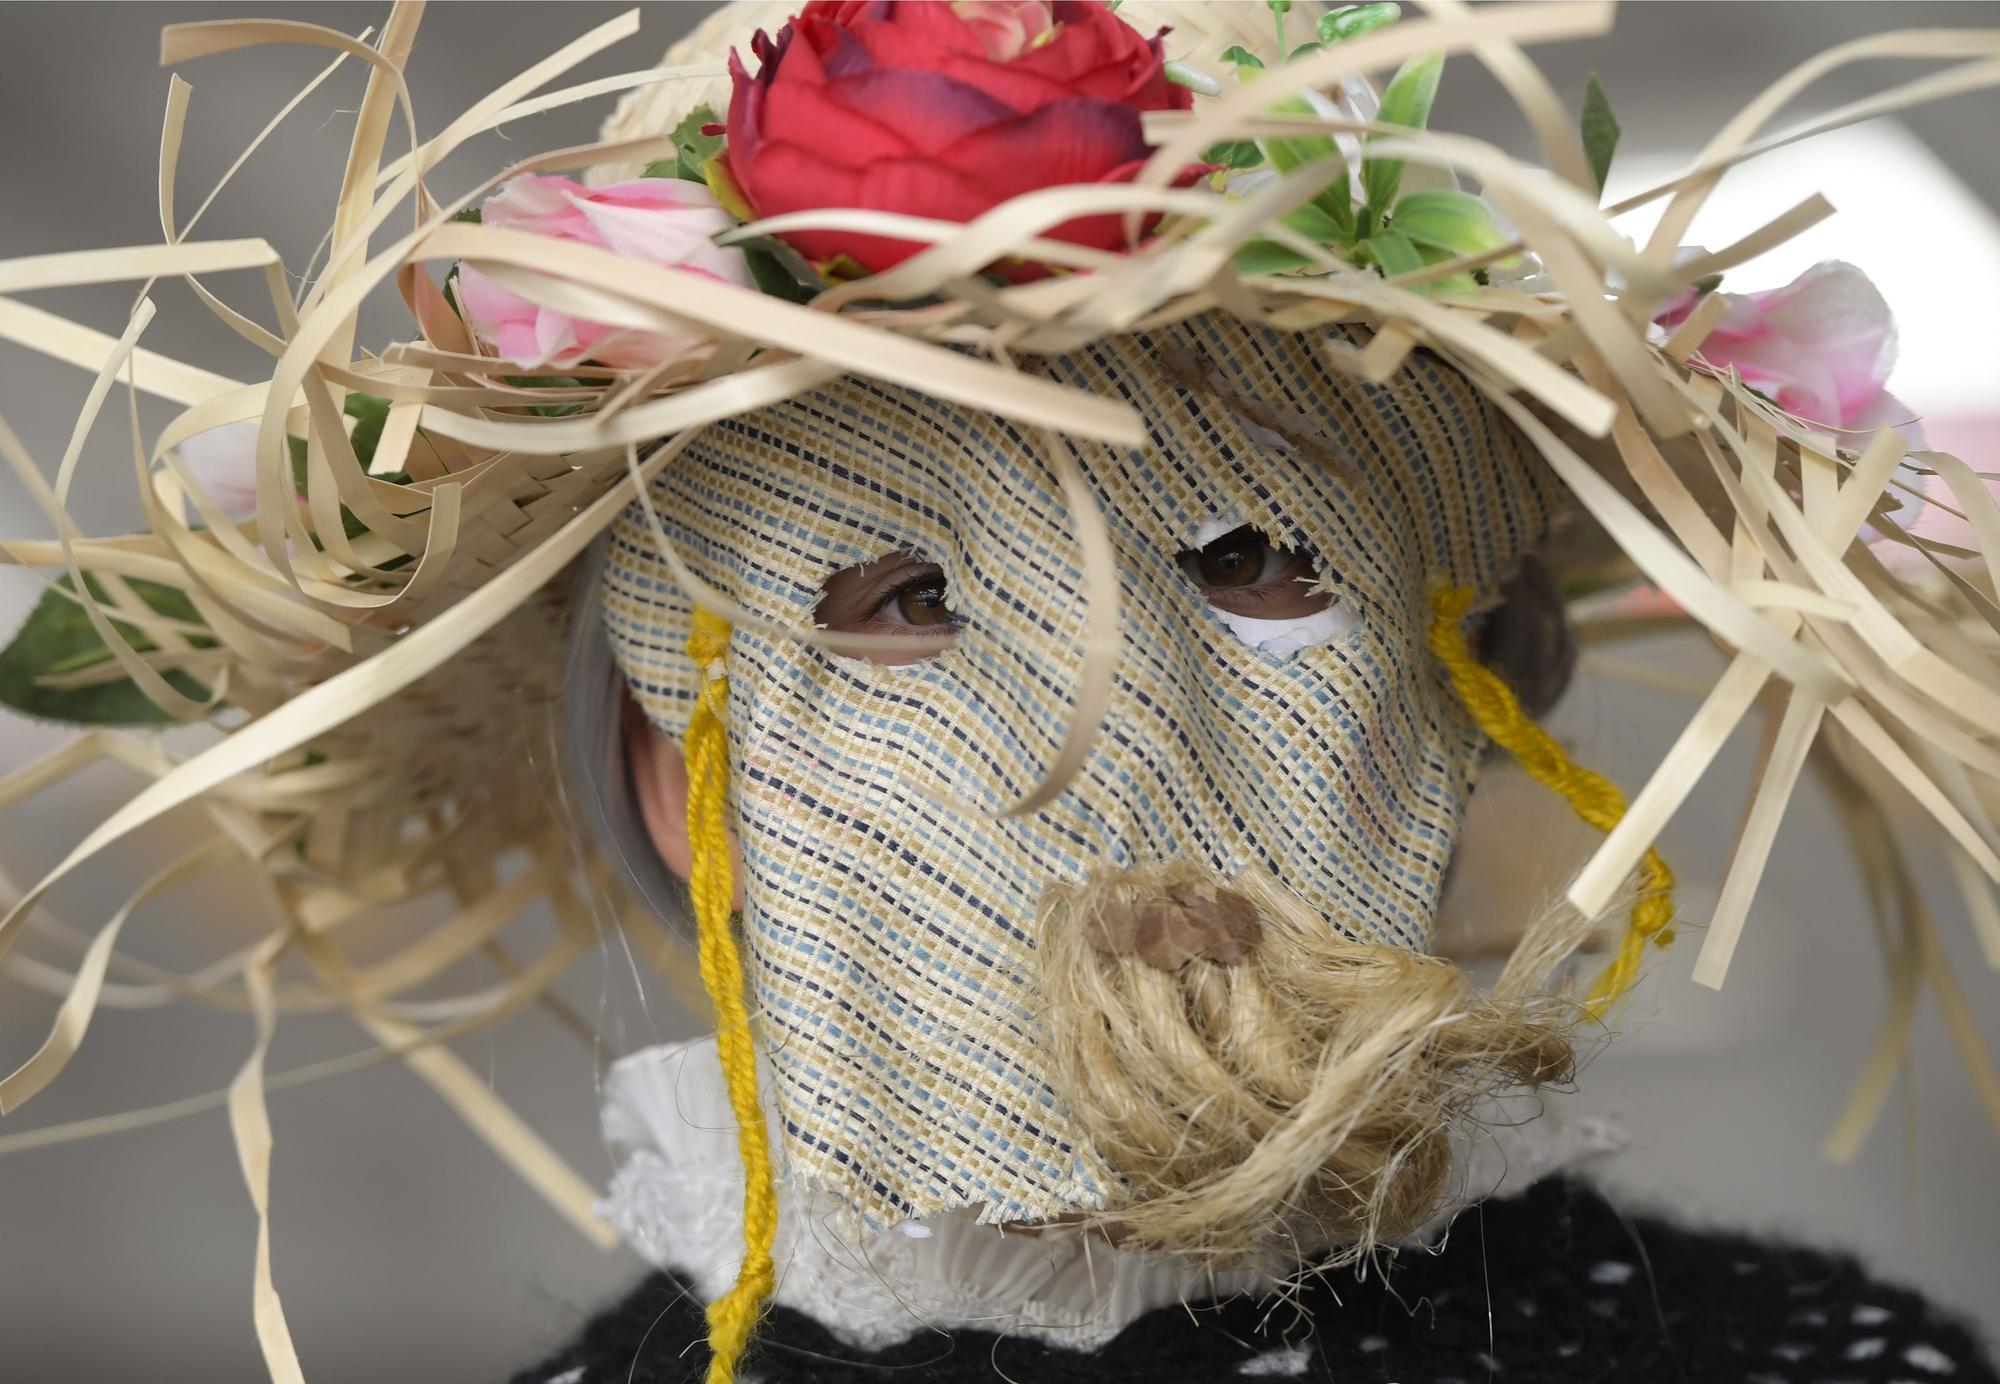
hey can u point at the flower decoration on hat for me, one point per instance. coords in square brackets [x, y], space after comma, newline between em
[1820, 347]
[663, 221]
[990, 216]
[941, 110]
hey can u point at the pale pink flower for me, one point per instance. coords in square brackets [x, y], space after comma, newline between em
[1820, 347]
[223, 462]
[667, 222]
[1006, 28]
[1936, 512]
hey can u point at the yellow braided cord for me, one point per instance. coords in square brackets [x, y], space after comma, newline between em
[731, 1316]
[1593, 797]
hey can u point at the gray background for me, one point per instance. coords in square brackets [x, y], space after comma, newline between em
[404, 1249]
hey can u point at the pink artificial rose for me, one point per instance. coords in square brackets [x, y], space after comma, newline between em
[1820, 347]
[660, 221]
[223, 462]
[1936, 512]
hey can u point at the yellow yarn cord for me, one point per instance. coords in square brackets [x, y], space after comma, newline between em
[1590, 795]
[711, 881]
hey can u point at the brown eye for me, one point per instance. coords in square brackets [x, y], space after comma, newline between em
[1238, 558]
[1242, 574]
[922, 603]
[898, 594]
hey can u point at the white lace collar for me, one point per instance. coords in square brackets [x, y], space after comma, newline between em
[677, 1198]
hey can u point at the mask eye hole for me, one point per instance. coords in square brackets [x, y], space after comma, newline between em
[1242, 573]
[898, 594]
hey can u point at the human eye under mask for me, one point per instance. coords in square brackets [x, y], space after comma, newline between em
[1190, 994]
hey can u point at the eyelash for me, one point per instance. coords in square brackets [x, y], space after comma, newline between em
[1267, 590]
[916, 581]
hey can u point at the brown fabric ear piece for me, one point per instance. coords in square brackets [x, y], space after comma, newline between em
[1528, 638]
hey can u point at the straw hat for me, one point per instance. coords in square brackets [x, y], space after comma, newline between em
[377, 645]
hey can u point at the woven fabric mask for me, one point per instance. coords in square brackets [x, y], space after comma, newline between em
[891, 936]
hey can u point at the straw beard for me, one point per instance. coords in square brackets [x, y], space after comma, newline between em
[1258, 1082]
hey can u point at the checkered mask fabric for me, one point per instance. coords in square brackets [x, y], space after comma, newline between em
[891, 938]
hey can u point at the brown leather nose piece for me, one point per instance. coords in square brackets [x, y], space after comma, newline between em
[1169, 929]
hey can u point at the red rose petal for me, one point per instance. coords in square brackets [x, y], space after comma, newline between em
[1070, 141]
[848, 136]
[928, 109]
[801, 180]
[937, 27]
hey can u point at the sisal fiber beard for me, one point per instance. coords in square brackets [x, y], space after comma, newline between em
[1300, 1100]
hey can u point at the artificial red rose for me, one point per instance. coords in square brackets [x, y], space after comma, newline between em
[942, 110]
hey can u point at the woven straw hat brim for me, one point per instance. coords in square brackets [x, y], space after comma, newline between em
[388, 677]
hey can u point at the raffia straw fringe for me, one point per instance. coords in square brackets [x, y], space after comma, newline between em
[1303, 1099]
[393, 705]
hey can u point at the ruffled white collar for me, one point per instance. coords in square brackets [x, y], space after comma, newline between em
[677, 1198]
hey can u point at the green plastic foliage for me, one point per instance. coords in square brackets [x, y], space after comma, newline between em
[1255, 257]
[1395, 252]
[1352, 21]
[58, 638]
[1445, 219]
[1407, 102]
[1600, 130]
[695, 149]
[1245, 61]
[1234, 153]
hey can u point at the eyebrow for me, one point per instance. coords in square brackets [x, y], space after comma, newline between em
[1195, 372]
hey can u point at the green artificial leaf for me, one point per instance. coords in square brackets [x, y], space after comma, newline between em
[1312, 222]
[662, 168]
[57, 638]
[1336, 199]
[1407, 101]
[466, 214]
[1600, 131]
[775, 279]
[1352, 21]
[1303, 49]
[1245, 60]
[1455, 222]
[782, 272]
[1309, 149]
[1707, 283]
[1395, 252]
[1449, 283]
[1337, 202]
[696, 148]
[1267, 257]
[561, 408]
[369, 412]
[1295, 151]
[1234, 153]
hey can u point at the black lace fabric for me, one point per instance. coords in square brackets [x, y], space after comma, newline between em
[1556, 1286]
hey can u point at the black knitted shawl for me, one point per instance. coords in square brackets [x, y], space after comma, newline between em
[1552, 1287]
